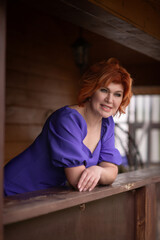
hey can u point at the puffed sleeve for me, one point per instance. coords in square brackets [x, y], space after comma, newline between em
[108, 151]
[65, 136]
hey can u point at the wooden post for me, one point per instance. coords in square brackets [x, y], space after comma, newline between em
[145, 207]
[2, 105]
[150, 208]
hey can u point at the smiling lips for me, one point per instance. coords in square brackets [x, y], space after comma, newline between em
[106, 108]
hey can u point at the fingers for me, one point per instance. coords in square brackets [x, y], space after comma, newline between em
[94, 183]
[82, 180]
[90, 185]
[86, 185]
[88, 181]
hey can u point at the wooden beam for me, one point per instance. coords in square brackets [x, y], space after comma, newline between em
[155, 90]
[142, 14]
[2, 106]
[99, 20]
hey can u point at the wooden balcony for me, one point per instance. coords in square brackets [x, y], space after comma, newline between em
[128, 209]
[37, 76]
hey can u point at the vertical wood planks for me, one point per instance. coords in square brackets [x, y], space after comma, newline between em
[129, 209]
[2, 106]
[150, 216]
[145, 213]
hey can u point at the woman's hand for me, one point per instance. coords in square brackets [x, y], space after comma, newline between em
[85, 179]
[89, 178]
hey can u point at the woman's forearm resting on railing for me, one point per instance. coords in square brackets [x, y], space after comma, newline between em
[85, 179]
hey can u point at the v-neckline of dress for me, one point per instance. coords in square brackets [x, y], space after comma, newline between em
[91, 153]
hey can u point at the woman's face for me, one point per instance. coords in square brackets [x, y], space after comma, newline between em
[106, 100]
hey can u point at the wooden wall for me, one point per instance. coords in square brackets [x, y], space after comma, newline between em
[2, 102]
[41, 75]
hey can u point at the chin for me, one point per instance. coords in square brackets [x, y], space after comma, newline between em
[106, 115]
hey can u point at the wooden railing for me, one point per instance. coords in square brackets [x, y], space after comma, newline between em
[128, 209]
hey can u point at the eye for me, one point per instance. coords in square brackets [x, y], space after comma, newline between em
[104, 90]
[118, 94]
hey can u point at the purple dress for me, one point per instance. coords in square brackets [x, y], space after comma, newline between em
[59, 145]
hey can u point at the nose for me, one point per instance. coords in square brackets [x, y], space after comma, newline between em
[109, 98]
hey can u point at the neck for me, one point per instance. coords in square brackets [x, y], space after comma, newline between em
[90, 117]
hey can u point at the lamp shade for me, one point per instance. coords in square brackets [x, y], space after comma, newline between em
[81, 53]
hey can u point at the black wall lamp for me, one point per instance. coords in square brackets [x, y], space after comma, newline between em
[81, 53]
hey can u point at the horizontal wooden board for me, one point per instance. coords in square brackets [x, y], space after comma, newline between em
[28, 116]
[146, 90]
[21, 133]
[42, 37]
[12, 149]
[41, 75]
[114, 211]
[42, 70]
[34, 99]
[53, 200]
[40, 83]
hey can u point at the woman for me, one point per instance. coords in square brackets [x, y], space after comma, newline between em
[77, 142]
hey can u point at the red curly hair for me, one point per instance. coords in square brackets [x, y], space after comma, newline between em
[102, 74]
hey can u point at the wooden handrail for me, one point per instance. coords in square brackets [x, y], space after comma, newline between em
[29, 205]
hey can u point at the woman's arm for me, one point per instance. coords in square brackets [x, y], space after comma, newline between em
[109, 173]
[87, 178]
[73, 175]
[103, 174]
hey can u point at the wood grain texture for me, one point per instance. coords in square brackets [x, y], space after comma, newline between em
[140, 13]
[24, 206]
[41, 75]
[158, 210]
[125, 210]
[94, 16]
[151, 212]
[145, 209]
[108, 218]
[2, 101]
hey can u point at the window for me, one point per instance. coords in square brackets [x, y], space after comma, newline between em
[138, 131]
